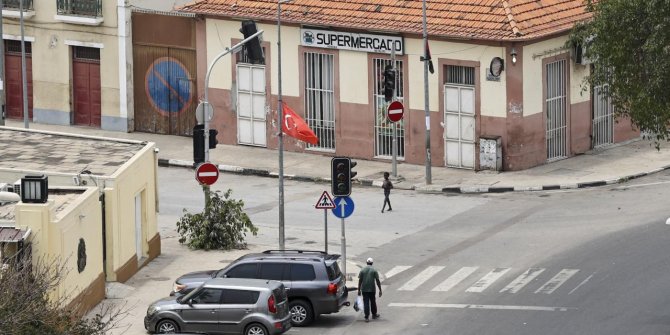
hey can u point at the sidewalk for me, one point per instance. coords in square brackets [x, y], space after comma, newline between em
[595, 168]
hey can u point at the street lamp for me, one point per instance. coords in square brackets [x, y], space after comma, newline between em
[280, 120]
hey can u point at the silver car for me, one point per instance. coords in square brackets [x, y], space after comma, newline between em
[223, 306]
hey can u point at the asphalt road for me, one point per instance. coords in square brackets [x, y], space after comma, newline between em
[588, 261]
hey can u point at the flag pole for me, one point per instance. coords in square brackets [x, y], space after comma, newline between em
[280, 139]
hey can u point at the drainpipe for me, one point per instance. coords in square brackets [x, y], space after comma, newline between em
[104, 235]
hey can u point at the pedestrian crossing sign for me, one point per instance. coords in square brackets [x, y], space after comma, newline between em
[325, 202]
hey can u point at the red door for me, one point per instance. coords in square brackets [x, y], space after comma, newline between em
[86, 86]
[13, 79]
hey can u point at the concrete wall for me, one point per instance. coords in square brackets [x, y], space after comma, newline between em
[56, 236]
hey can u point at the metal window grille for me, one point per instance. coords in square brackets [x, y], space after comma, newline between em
[603, 117]
[15, 4]
[80, 7]
[384, 127]
[461, 75]
[319, 98]
[84, 53]
[243, 57]
[14, 47]
[555, 101]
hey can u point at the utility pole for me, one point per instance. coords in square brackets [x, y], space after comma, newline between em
[425, 90]
[280, 133]
[23, 68]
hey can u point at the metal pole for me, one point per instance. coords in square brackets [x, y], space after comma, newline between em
[205, 188]
[425, 90]
[325, 228]
[344, 246]
[23, 68]
[2, 71]
[394, 146]
[280, 139]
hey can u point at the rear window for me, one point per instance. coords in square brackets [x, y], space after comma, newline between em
[242, 271]
[333, 270]
[239, 297]
[302, 272]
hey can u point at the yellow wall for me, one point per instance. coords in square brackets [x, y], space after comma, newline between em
[55, 236]
[136, 176]
[354, 76]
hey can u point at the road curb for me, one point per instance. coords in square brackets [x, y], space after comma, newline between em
[460, 189]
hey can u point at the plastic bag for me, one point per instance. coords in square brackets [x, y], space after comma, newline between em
[358, 304]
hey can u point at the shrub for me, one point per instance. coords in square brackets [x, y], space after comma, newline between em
[223, 224]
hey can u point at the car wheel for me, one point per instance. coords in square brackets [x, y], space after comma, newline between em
[301, 313]
[167, 326]
[255, 329]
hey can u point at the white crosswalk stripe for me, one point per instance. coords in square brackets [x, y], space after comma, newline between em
[454, 279]
[556, 282]
[396, 270]
[487, 280]
[517, 284]
[421, 278]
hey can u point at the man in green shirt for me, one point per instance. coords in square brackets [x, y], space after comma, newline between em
[366, 284]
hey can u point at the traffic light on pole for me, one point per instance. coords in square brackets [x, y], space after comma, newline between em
[254, 49]
[340, 176]
[212, 138]
[199, 144]
[389, 82]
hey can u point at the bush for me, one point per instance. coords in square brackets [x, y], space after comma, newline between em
[223, 225]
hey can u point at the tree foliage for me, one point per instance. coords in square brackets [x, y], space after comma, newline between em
[629, 41]
[26, 306]
[223, 224]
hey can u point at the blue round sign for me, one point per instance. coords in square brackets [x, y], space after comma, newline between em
[344, 207]
[168, 86]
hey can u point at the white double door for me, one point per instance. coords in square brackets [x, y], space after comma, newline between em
[251, 111]
[459, 126]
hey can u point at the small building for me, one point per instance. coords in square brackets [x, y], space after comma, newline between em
[102, 191]
[502, 83]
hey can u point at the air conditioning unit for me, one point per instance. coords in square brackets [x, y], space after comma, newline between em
[17, 187]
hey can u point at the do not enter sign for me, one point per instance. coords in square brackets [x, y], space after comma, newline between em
[206, 173]
[395, 111]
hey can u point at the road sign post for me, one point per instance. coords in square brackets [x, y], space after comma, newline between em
[325, 202]
[346, 208]
[206, 173]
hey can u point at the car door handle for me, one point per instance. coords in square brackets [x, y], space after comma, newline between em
[248, 310]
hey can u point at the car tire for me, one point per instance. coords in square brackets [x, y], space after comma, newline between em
[167, 326]
[255, 329]
[302, 313]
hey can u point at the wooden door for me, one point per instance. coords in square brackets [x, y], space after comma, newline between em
[13, 79]
[86, 89]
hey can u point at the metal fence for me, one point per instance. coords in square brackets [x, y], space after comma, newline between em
[80, 7]
[603, 118]
[556, 110]
[319, 98]
[384, 127]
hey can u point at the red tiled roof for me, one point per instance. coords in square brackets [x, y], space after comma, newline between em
[472, 19]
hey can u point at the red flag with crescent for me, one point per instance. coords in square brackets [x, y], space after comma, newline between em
[296, 127]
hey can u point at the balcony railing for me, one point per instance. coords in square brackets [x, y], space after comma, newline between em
[14, 4]
[80, 7]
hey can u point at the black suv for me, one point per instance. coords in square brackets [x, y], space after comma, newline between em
[313, 280]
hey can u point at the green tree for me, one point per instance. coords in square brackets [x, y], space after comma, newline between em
[223, 224]
[629, 41]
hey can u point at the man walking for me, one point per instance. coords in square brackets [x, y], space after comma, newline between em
[366, 284]
[387, 185]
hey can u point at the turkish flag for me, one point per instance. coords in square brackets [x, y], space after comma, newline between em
[296, 127]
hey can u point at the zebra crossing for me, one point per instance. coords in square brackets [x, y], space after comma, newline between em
[480, 280]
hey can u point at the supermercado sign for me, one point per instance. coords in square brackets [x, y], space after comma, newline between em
[351, 41]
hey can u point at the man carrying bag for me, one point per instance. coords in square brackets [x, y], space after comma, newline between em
[366, 285]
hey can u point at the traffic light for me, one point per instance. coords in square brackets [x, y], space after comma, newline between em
[212, 138]
[340, 176]
[254, 49]
[352, 173]
[199, 144]
[389, 82]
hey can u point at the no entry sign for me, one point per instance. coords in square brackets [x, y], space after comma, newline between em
[206, 173]
[395, 111]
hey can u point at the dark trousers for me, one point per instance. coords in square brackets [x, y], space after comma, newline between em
[369, 301]
[386, 201]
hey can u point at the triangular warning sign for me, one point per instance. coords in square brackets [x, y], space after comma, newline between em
[325, 202]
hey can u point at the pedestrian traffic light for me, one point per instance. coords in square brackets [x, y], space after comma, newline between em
[389, 82]
[340, 176]
[212, 138]
[199, 144]
[253, 47]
